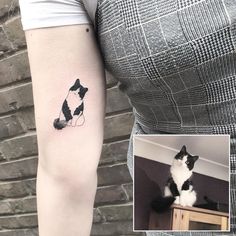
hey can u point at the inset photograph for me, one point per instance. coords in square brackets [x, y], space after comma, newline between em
[181, 182]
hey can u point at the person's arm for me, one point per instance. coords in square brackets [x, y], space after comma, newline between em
[68, 157]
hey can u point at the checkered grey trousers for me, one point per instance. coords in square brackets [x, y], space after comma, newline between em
[176, 62]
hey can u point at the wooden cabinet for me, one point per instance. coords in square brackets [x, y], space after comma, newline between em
[189, 218]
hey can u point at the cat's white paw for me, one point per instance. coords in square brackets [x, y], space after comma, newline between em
[177, 200]
[79, 122]
[74, 122]
[167, 192]
[69, 123]
[188, 198]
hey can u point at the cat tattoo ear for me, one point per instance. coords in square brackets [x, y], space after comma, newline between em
[71, 113]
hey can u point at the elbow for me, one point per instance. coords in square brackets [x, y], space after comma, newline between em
[72, 165]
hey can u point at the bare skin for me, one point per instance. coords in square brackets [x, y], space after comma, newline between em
[67, 167]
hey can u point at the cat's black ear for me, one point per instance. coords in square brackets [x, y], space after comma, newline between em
[183, 149]
[82, 92]
[195, 158]
[76, 85]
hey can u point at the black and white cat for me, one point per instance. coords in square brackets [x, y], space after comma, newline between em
[179, 188]
[71, 113]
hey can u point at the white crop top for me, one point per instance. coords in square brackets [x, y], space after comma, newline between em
[48, 13]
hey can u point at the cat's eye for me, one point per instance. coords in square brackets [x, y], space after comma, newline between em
[187, 162]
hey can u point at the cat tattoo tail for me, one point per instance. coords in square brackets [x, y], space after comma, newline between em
[71, 113]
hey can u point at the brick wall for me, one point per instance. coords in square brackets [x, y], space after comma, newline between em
[18, 144]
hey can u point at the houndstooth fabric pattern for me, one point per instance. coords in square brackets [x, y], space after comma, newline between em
[176, 61]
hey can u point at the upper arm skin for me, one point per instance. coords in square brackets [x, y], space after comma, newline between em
[58, 56]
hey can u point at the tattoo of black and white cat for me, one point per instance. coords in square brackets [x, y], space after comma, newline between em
[71, 113]
[179, 187]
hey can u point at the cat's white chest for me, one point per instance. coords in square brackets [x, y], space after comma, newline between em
[73, 101]
[180, 174]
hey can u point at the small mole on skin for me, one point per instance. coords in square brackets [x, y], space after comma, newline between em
[87, 30]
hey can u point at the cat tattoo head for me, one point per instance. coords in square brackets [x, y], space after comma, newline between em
[78, 87]
[71, 113]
